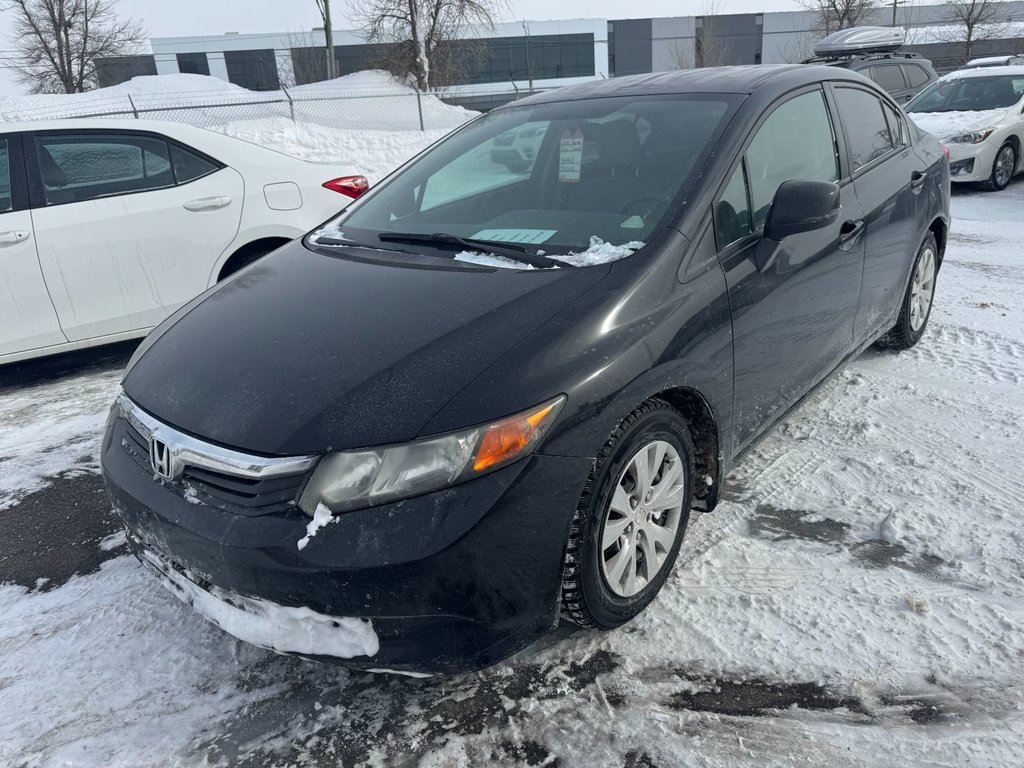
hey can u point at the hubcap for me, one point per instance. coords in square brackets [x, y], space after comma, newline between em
[1004, 166]
[922, 290]
[642, 518]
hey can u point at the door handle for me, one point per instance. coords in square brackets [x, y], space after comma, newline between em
[917, 180]
[849, 232]
[13, 237]
[207, 203]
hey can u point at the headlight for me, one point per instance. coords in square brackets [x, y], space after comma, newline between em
[357, 479]
[975, 137]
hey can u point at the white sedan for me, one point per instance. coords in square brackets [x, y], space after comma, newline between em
[106, 227]
[979, 114]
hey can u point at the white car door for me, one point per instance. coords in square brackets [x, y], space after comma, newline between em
[128, 225]
[27, 318]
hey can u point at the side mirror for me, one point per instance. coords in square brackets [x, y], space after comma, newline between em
[802, 206]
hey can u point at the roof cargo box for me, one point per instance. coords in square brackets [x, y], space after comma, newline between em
[860, 40]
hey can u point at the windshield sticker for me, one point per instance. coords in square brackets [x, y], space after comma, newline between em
[570, 156]
[515, 235]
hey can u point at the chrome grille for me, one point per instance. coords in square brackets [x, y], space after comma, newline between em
[218, 476]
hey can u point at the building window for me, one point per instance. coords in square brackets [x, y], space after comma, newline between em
[255, 69]
[193, 64]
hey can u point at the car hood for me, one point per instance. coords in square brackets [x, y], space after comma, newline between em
[945, 125]
[308, 351]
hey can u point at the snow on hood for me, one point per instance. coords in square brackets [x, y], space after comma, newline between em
[947, 124]
[599, 252]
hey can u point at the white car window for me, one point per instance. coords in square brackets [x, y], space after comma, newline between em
[77, 167]
[6, 202]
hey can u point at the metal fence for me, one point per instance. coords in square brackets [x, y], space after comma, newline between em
[397, 109]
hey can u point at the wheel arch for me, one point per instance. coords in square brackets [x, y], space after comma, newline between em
[704, 431]
[242, 255]
[940, 229]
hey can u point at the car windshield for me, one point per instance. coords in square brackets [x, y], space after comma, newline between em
[969, 94]
[573, 177]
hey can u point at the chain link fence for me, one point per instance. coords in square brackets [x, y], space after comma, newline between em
[397, 109]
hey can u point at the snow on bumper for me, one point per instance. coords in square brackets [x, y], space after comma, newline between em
[280, 628]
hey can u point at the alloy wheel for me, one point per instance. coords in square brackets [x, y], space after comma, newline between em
[922, 290]
[1005, 161]
[642, 518]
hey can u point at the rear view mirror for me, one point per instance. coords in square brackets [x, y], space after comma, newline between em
[802, 206]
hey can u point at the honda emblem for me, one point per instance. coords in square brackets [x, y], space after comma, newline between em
[160, 458]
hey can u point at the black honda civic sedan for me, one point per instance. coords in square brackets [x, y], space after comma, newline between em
[488, 394]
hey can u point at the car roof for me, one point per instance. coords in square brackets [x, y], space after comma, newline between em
[1013, 69]
[113, 123]
[738, 80]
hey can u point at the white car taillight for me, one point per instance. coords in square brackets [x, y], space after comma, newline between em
[350, 186]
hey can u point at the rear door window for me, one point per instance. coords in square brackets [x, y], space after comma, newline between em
[6, 199]
[863, 120]
[888, 76]
[189, 166]
[897, 131]
[916, 75]
[77, 167]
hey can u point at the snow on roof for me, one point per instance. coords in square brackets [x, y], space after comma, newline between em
[1014, 69]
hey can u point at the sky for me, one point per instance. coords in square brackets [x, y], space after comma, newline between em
[177, 18]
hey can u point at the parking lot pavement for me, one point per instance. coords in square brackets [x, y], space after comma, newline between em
[856, 600]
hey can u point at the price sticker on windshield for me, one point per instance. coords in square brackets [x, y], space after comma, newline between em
[570, 155]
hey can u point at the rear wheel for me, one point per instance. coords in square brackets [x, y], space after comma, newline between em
[917, 300]
[1002, 167]
[631, 519]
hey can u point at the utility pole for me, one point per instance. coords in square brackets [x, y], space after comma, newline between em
[894, 4]
[325, 13]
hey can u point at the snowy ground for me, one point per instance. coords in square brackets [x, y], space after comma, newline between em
[857, 599]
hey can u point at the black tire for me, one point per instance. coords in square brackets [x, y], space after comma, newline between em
[999, 178]
[903, 335]
[587, 599]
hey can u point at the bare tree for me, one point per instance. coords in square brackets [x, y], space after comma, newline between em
[833, 15]
[796, 48]
[970, 22]
[304, 63]
[423, 33]
[324, 6]
[56, 42]
[709, 48]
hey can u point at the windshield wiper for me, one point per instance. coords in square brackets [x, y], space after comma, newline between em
[508, 250]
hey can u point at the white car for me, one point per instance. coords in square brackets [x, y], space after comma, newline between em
[979, 114]
[106, 227]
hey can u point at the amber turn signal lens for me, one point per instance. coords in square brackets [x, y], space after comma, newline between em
[511, 437]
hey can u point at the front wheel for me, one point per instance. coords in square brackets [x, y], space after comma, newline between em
[630, 520]
[1002, 168]
[917, 300]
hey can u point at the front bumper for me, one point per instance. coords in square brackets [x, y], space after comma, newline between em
[451, 581]
[971, 162]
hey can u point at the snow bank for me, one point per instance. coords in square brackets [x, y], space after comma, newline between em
[364, 100]
[279, 628]
[373, 153]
